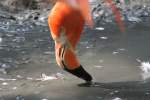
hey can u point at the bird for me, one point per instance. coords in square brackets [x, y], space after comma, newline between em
[66, 22]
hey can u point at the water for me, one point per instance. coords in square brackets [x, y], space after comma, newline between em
[28, 70]
[19, 39]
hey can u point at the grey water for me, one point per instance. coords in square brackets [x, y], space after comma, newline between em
[113, 57]
[19, 41]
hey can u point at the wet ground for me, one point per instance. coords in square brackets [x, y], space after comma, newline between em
[28, 70]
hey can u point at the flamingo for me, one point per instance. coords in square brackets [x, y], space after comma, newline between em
[66, 21]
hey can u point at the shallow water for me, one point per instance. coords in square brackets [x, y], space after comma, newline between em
[27, 51]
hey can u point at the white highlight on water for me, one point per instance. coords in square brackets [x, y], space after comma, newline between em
[5, 79]
[98, 66]
[4, 83]
[104, 38]
[117, 98]
[14, 88]
[44, 99]
[119, 50]
[115, 52]
[1, 39]
[100, 28]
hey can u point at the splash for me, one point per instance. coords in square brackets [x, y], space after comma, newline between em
[45, 77]
[145, 67]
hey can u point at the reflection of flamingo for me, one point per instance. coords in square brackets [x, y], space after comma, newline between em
[66, 22]
[117, 14]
